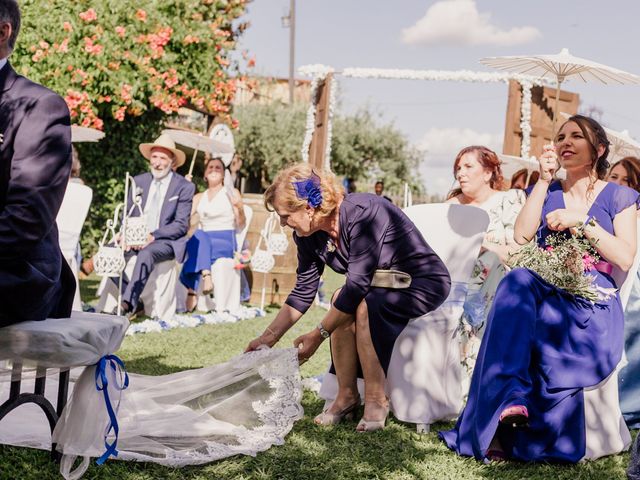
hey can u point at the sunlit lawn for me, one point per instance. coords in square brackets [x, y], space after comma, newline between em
[310, 452]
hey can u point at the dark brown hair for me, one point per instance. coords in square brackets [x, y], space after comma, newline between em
[595, 136]
[632, 167]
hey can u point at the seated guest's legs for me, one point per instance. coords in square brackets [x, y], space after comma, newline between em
[376, 403]
[157, 251]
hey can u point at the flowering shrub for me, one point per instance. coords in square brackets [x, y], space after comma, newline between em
[109, 60]
[122, 68]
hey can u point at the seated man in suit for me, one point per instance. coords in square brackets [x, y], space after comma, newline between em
[35, 160]
[166, 198]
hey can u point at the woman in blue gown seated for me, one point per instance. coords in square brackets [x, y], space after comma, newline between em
[543, 346]
[363, 236]
[627, 172]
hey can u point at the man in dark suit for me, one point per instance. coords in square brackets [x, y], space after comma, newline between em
[166, 198]
[35, 160]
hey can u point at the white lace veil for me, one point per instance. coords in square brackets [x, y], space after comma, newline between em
[243, 406]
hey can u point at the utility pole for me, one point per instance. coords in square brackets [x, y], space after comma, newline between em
[289, 21]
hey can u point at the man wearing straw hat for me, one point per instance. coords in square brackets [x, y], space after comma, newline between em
[35, 160]
[166, 198]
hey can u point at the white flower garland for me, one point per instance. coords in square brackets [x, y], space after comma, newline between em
[319, 72]
[332, 96]
[525, 118]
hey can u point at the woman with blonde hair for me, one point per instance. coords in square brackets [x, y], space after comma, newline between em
[392, 276]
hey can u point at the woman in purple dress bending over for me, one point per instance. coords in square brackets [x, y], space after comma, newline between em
[543, 346]
[392, 276]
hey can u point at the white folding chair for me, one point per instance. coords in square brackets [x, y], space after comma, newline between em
[606, 430]
[424, 375]
[71, 216]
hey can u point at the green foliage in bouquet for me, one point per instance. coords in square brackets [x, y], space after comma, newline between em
[123, 68]
[564, 263]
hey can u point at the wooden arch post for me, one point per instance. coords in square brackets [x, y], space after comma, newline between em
[318, 147]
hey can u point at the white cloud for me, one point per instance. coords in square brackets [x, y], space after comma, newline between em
[458, 22]
[443, 144]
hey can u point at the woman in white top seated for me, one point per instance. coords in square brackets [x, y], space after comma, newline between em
[477, 170]
[217, 212]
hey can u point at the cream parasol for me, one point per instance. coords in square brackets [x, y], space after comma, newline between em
[197, 142]
[560, 67]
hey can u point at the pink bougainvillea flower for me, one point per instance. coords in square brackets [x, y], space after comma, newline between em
[89, 16]
[141, 15]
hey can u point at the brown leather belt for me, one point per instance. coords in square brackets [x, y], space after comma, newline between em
[391, 279]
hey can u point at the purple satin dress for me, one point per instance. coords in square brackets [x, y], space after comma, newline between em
[373, 234]
[542, 346]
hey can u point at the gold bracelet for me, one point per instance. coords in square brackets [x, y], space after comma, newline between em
[268, 330]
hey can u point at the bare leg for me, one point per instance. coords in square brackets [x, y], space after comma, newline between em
[192, 300]
[207, 283]
[376, 404]
[345, 361]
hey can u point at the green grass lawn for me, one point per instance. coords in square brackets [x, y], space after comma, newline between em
[309, 452]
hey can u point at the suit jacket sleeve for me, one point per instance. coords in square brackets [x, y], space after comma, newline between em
[40, 168]
[180, 225]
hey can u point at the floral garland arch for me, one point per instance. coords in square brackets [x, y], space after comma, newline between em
[319, 72]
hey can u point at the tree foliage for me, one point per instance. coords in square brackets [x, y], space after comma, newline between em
[270, 137]
[123, 68]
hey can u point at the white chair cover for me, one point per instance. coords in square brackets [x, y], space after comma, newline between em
[424, 375]
[71, 217]
[606, 430]
[158, 296]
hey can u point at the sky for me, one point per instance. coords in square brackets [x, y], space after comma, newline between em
[442, 117]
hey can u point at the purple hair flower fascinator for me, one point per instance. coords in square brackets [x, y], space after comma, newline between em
[309, 190]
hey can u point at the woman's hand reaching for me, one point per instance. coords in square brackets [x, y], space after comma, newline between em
[307, 344]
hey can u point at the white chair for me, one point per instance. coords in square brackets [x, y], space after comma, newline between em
[158, 296]
[71, 217]
[606, 430]
[424, 375]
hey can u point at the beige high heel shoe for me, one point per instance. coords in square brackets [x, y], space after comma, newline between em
[372, 425]
[348, 413]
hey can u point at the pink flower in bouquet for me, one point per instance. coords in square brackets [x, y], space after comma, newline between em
[121, 31]
[67, 27]
[549, 248]
[89, 16]
[589, 262]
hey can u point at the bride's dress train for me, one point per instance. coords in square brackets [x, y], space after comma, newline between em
[243, 406]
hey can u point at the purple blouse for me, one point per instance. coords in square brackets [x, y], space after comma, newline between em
[373, 234]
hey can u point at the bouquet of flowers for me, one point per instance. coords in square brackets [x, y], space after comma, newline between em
[564, 263]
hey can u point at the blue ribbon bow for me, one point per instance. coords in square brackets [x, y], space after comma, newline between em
[102, 382]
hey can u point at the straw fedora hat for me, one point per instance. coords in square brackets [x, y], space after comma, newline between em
[163, 141]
